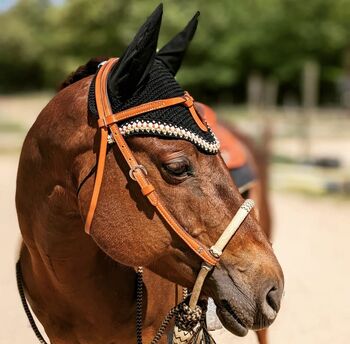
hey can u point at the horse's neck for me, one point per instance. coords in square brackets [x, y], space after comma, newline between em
[76, 261]
[76, 278]
[94, 292]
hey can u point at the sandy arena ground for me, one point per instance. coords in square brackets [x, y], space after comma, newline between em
[312, 242]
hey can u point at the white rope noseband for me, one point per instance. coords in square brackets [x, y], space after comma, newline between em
[217, 249]
[232, 228]
[181, 336]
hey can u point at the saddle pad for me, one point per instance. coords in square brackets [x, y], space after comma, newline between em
[232, 150]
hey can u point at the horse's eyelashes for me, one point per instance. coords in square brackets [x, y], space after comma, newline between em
[178, 169]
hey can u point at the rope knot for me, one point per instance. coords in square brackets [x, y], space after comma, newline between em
[186, 318]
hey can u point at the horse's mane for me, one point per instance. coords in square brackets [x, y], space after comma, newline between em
[82, 72]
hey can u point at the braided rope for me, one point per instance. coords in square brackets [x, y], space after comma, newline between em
[139, 302]
[184, 293]
[185, 317]
[139, 297]
[190, 325]
[173, 312]
[19, 279]
[182, 312]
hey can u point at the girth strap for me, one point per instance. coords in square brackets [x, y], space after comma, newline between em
[108, 120]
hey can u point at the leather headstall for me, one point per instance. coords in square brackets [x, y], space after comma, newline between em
[108, 123]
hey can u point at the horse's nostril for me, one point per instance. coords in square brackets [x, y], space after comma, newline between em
[273, 299]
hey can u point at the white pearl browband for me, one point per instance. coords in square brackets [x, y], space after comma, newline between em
[167, 130]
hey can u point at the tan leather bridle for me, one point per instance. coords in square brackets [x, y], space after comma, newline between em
[108, 122]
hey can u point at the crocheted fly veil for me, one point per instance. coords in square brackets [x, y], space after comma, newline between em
[175, 122]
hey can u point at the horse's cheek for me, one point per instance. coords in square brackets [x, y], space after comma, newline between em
[129, 244]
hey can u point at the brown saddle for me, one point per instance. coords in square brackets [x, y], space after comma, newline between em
[231, 148]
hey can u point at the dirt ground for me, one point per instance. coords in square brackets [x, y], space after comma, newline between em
[311, 240]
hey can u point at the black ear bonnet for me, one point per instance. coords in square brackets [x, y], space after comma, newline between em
[142, 76]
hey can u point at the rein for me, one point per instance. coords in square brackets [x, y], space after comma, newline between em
[188, 318]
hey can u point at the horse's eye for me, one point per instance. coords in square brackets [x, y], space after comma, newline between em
[178, 168]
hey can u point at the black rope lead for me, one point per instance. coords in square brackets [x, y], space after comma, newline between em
[19, 278]
[139, 303]
[176, 311]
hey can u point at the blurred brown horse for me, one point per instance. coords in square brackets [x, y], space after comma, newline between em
[257, 158]
[81, 287]
[248, 164]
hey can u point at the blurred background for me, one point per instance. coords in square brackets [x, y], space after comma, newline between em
[273, 68]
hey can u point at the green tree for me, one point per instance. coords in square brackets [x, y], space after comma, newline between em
[41, 43]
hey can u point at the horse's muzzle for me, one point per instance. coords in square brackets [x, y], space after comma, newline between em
[242, 303]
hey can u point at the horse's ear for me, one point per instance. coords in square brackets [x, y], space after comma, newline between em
[174, 51]
[135, 63]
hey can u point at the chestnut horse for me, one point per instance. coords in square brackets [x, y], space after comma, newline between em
[82, 287]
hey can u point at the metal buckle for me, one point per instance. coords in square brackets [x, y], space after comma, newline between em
[137, 167]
